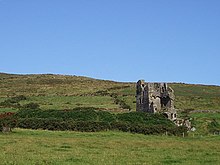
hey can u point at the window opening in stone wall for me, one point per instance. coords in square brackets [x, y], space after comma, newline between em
[165, 115]
[165, 100]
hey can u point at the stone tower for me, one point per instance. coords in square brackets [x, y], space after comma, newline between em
[155, 98]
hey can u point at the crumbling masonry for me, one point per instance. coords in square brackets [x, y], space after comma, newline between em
[155, 97]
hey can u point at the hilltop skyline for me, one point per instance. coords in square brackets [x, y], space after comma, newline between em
[158, 41]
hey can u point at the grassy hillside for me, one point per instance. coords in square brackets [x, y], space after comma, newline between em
[197, 97]
[51, 85]
[67, 92]
[47, 147]
[60, 92]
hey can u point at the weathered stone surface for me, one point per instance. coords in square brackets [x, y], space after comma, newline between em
[6, 129]
[155, 97]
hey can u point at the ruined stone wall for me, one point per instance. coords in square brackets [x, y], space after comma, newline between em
[155, 98]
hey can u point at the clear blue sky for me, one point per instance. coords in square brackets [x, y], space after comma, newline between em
[121, 40]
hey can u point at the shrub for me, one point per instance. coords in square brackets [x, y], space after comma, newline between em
[19, 98]
[91, 120]
[101, 93]
[119, 101]
[59, 124]
[31, 106]
[144, 118]
[91, 126]
[77, 114]
[13, 102]
[214, 126]
[121, 126]
[10, 104]
[7, 120]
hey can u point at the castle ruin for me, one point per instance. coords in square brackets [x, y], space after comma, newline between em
[155, 98]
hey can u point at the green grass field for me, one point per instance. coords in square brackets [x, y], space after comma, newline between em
[67, 92]
[47, 147]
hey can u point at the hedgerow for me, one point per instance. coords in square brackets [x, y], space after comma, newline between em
[93, 120]
[95, 126]
[77, 114]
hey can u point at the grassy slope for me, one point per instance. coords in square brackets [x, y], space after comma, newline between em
[67, 92]
[59, 92]
[46, 147]
[202, 120]
[51, 85]
[198, 97]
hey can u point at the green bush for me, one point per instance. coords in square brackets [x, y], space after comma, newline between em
[9, 104]
[91, 120]
[13, 102]
[214, 126]
[19, 98]
[31, 106]
[59, 124]
[120, 101]
[101, 93]
[144, 118]
[120, 126]
[7, 120]
[77, 114]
